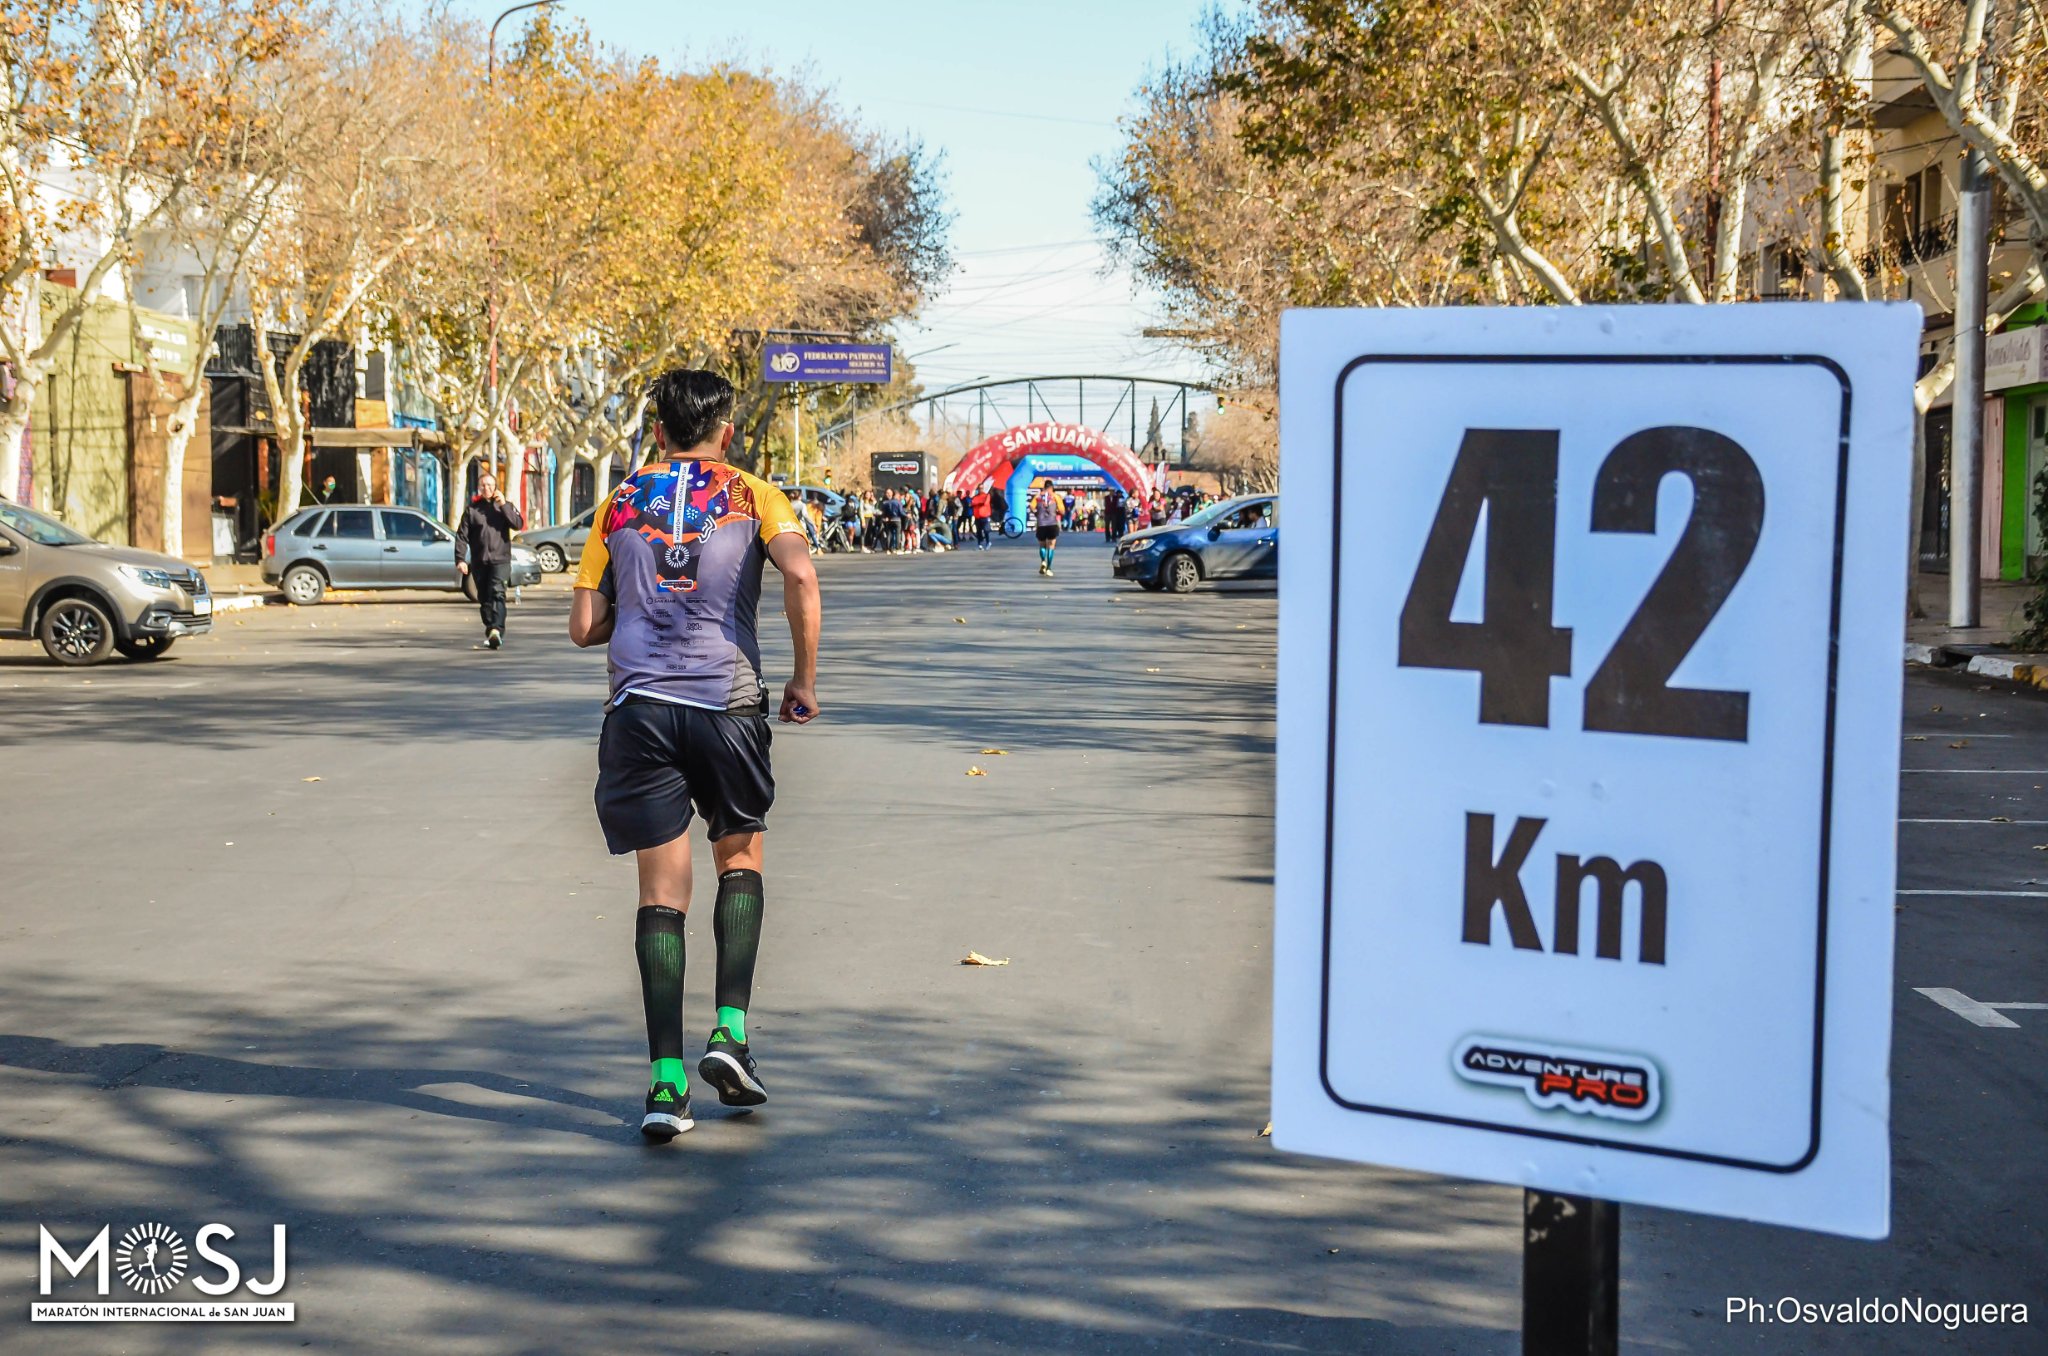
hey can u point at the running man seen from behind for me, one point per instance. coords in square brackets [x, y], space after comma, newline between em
[671, 580]
[1046, 513]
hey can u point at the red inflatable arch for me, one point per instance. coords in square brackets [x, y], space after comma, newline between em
[993, 458]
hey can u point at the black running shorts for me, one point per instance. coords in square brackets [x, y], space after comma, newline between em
[1049, 533]
[654, 758]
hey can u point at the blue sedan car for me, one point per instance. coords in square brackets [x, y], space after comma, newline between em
[1235, 539]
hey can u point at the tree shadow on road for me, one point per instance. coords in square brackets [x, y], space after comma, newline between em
[913, 1186]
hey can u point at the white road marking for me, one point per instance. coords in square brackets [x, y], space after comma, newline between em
[2035, 823]
[1982, 894]
[1968, 1008]
[1982, 771]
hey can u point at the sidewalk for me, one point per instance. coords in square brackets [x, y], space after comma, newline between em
[1984, 649]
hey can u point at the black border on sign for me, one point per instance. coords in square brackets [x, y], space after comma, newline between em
[1827, 792]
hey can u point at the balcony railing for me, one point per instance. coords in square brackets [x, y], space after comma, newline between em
[1932, 241]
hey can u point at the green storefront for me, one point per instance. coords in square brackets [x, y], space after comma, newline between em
[2016, 442]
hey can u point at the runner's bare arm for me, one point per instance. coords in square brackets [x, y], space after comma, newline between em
[590, 618]
[792, 555]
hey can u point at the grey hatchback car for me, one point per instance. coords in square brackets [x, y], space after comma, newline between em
[370, 546]
[560, 546]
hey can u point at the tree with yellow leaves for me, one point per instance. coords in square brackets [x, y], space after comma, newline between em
[116, 116]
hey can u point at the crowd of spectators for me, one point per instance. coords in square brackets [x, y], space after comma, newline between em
[896, 522]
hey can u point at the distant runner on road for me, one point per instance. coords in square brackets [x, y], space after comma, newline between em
[671, 579]
[1046, 513]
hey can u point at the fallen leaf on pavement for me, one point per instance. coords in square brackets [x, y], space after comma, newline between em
[961, 620]
[1151, 670]
[2001, 819]
[309, 779]
[1960, 744]
[976, 772]
[1934, 708]
[1267, 1133]
[976, 958]
[995, 753]
[2041, 847]
[1916, 739]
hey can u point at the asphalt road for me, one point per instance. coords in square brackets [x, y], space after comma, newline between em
[311, 924]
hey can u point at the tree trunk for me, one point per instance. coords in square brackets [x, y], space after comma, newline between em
[1914, 612]
[458, 469]
[13, 433]
[184, 422]
[565, 486]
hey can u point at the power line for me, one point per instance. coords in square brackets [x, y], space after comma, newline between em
[995, 112]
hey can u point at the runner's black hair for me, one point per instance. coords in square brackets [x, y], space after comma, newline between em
[691, 403]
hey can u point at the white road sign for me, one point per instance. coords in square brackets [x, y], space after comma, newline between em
[1590, 635]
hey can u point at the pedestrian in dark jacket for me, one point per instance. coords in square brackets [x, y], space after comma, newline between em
[483, 551]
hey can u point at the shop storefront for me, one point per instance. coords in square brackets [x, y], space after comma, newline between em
[2015, 444]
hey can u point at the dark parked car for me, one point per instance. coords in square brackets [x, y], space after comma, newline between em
[370, 546]
[1235, 539]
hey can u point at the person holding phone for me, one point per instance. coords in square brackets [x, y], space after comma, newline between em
[483, 551]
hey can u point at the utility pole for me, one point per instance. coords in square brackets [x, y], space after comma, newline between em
[1720, 8]
[1966, 440]
[491, 299]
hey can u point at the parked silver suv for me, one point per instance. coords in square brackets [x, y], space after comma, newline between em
[370, 546]
[86, 599]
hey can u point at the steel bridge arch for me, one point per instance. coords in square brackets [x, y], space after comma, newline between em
[1033, 397]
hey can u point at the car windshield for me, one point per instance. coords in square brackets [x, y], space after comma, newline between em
[43, 531]
[1215, 511]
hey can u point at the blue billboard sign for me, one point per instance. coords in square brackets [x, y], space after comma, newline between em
[826, 362]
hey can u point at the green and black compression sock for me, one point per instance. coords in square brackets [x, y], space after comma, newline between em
[736, 923]
[658, 940]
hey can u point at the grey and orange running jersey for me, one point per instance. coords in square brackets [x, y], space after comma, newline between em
[678, 548]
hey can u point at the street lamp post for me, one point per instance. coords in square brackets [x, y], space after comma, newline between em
[490, 169]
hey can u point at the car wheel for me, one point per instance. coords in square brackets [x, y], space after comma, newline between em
[552, 561]
[145, 648]
[1180, 573]
[303, 584]
[76, 631]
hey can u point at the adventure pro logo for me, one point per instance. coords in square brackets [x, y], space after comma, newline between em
[152, 1261]
[1590, 1083]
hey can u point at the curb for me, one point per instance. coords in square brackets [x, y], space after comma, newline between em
[242, 602]
[2012, 668]
[2027, 670]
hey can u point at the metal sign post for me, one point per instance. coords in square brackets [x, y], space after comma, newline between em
[1571, 1275]
[833, 363]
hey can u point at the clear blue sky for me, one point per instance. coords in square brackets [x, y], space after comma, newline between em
[1020, 95]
